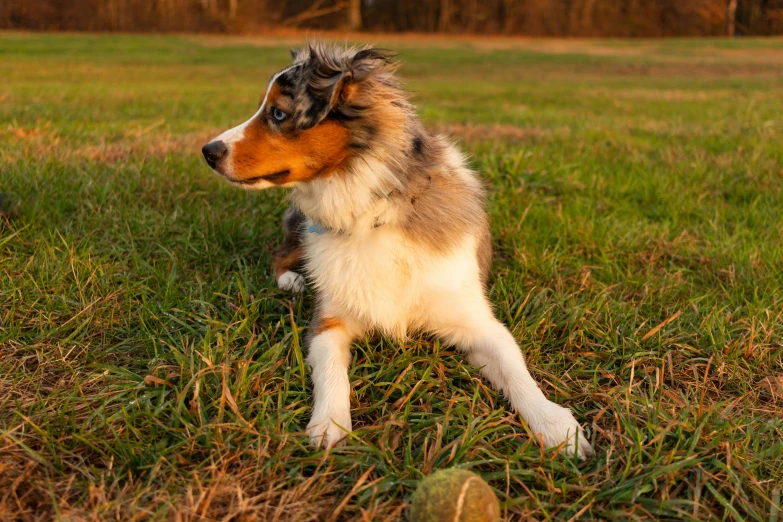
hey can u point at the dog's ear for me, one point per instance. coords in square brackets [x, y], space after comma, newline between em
[369, 61]
[335, 76]
[363, 65]
[325, 78]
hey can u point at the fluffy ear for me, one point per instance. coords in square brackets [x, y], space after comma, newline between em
[369, 61]
[325, 78]
[363, 65]
[335, 74]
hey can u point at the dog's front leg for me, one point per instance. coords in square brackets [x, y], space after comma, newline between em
[329, 354]
[490, 346]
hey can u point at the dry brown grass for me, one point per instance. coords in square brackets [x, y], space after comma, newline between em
[150, 370]
[477, 133]
[232, 488]
[42, 142]
[648, 49]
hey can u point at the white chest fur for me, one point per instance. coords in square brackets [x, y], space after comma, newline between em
[385, 281]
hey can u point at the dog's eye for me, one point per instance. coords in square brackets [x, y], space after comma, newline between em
[278, 115]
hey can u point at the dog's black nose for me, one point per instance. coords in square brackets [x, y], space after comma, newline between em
[213, 151]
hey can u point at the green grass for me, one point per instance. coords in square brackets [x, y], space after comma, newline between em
[149, 368]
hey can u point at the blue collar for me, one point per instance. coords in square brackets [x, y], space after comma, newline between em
[317, 229]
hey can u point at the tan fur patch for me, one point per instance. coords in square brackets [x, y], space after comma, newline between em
[348, 92]
[305, 155]
[271, 97]
[327, 323]
[288, 260]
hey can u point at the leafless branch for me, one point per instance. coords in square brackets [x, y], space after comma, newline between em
[314, 12]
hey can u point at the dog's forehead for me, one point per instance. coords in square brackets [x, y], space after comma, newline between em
[289, 80]
[292, 81]
[291, 84]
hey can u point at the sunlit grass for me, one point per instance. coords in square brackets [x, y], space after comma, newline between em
[149, 367]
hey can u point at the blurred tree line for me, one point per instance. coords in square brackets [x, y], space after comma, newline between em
[620, 18]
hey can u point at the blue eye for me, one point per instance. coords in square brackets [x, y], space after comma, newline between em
[278, 115]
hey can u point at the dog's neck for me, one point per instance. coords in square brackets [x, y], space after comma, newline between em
[361, 196]
[354, 200]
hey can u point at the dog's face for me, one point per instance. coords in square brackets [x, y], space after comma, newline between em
[306, 126]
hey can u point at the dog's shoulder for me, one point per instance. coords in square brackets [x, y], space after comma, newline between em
[444, 201]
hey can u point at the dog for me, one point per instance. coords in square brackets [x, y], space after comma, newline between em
[387, 222]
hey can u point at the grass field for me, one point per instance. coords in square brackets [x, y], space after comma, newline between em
[150, 369]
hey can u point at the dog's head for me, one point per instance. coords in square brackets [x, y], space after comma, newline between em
[315, 116]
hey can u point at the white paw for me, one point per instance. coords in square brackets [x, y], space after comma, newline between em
[290, 282]
[556, 425]
[330, 429]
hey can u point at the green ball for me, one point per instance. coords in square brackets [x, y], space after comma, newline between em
[454, 495]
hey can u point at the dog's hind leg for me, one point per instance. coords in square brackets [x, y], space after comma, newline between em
[288, 259]
[329, 354]
[490, 346]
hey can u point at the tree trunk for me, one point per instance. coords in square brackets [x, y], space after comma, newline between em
[472, 15]
[212, 8]
[445, 14]
[509, 16]
[355, 13]
[587, 18]
[232, 9]
[731, 17]
[164, 10]
[114, 15]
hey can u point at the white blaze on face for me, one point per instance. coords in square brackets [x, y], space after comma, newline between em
[236, 134]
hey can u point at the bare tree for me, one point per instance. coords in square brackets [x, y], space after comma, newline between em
[649, 18]
[445, 15]
[355, 9]
[731, 17]
[316, 10]
[472, 15]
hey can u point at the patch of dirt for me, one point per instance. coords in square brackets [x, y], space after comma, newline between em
[159, 147]
[745, 55]
[659, 94]
[42, 142]
[294, 37]
[581, 46]
[589, 46]
[476, 133]
[280, 37]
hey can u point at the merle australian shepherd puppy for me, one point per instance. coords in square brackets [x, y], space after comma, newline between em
[388, 224]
